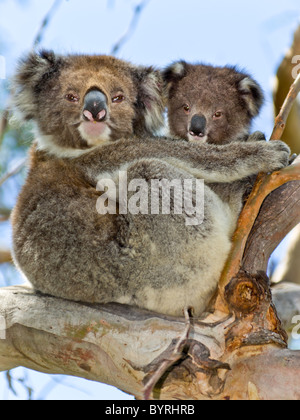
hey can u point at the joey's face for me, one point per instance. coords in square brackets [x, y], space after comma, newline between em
[210, 104]
[206, 117]
[197, 122]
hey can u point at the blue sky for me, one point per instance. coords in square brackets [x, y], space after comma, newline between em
[253, 35]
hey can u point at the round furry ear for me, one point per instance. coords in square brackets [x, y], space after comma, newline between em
[252, 95]
[175, 72]
[150, 101]
[33, 72]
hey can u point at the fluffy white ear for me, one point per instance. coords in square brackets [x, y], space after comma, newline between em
[252, 94]
[175, 71]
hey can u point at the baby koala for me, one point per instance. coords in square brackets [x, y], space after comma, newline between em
[209, 104]
[216, 106]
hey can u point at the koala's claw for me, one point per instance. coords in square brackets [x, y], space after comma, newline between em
[281, 152]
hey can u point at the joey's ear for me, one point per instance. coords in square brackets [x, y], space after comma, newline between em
[33, 73]
[150, 99]
[175, 72]
[252, 95]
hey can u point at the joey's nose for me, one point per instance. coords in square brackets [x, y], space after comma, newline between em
[95, 106]
[198, 126]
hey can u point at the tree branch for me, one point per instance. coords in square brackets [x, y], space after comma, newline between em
[5, 256]
[116, 344]
[132, 26]
[265, 184]
[286, 73]
[281, 119]
[13, 172]
[45, 23]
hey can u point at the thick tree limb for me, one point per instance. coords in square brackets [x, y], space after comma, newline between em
[119, 345]
[114, 344]
[279, 214]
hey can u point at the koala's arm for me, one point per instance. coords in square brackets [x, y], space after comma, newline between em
[231, 162]
[213, 163]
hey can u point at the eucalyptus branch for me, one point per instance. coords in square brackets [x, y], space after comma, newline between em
[281, 119]
[132, 26]
[13, 172]
[265, 184]
[45, 23]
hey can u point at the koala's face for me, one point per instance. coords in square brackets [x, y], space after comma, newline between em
[210, 104]
[84, 101]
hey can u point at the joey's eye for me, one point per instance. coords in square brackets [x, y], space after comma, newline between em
[118, 99]
[218, 115]
[186, 108]
[72, 97]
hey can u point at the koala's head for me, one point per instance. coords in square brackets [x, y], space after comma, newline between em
[82, 101]
[210, 104]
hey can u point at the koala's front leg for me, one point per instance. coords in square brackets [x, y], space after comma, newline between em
[237, 161]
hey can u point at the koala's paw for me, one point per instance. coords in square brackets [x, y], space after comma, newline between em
[278, 156]
[257, 136]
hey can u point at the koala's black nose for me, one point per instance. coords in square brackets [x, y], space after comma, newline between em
[95, 106]
[198, 126]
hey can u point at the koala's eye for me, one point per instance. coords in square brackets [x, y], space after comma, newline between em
[218, 115]
[186, 108]
[71, 97]
[118, 99]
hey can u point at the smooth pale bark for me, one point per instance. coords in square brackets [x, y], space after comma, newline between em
[117, 345]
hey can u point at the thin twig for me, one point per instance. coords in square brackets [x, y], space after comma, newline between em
[281, 119]
[3, 124]
[175, 356]
[132, 26]
[4, 214]
[45, 23]
[4, 117]
[13, 172]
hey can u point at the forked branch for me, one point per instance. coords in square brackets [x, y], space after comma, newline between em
[265, 184]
